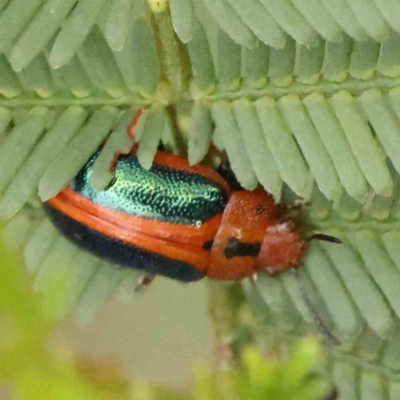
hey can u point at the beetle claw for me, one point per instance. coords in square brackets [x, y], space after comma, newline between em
[144, 281]
[297, 204]
[253, 278]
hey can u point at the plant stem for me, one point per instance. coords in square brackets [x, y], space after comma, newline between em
[226, 304]
[172, 55]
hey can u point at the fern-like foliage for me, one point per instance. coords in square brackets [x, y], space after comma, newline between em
[303, 95]
[299, 112]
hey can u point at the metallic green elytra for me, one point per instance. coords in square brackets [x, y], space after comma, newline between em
[161, 193]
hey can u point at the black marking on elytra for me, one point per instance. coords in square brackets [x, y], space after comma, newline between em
[118, 252]
[226, 173]
[235, 248]
[208, 245]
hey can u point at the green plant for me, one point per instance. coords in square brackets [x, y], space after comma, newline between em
[35, 365]
[312, 96]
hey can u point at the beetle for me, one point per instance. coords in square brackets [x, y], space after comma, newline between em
[177, 220]
[184, 222]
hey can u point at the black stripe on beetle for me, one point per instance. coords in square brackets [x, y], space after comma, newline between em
[208, 245]
[235, 248]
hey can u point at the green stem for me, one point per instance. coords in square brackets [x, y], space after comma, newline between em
[172, 55]
[226, 305]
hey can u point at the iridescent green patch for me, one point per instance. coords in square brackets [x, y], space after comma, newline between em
[161, 193]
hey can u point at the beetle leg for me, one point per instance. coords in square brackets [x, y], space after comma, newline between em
[221, 154]
[144, 281]
[253, 278]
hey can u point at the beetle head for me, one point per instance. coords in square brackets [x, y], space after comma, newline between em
[282, 248]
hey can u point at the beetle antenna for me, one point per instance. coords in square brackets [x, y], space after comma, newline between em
[322, 328]
[325, 238]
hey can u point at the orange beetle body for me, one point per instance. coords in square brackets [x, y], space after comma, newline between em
[176, 220]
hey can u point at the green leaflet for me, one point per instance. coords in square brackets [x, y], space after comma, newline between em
[74, 31]
[39, 32]
[98, 75]
[64, 167]
[182, 13]
[25, 182]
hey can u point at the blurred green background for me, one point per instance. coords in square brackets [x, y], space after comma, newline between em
[158, 338]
